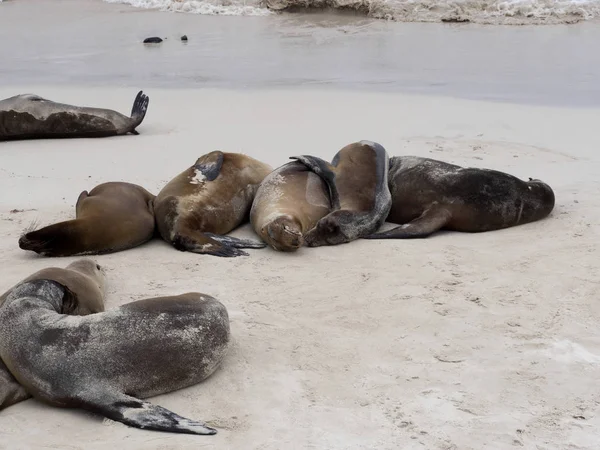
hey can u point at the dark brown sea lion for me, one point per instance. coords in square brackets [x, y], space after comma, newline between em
[114, 216]
[209, 199]
[106, 362]
[83, 284]
[29, 116]
[429, 195]
[288, 203]
[358, 183]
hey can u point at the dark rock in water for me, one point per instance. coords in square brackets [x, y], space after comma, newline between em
[184, 38]
[153, 40]
[455, 19]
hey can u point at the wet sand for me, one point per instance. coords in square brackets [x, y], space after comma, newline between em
[91, 42]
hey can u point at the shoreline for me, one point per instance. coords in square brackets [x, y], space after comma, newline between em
[102, 45]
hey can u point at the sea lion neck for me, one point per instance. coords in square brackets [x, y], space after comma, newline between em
[46, 292]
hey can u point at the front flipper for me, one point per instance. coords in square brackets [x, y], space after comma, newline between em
[326, 171]
[236, 242]
[210, 165]
[433, 219]
[139, 414]
[212, 244]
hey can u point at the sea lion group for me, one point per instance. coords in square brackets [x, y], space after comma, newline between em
[58, 344]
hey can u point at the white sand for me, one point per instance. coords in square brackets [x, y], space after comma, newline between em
[459, 341]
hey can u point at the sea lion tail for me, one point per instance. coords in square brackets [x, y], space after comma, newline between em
[138, 111]
[325, 171]
[139, 414]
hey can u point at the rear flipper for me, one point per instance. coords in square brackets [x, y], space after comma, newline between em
[139, 414]
[138, 111]
[433, 219]
[326, 172]
[213, 244]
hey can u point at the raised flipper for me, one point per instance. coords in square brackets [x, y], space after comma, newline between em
[11, 391]
[139, 414]
[326, 171]
[138, 111]
[210, 165]
[433, 219]
[81, 197]
[213, 244]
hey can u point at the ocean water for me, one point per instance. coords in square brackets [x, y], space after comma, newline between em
[505, 12]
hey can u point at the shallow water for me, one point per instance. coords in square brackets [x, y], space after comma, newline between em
[92, 42]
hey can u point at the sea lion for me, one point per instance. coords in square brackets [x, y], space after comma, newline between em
[358, 184]
[207, 200]
[113, 216]
[29, 116]
[429, 195]
[83, 285]
[106, 362]
[288, 203]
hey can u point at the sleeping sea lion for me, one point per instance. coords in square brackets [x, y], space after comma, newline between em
[288, 203]
[114, 216]
[29, 116]
[429, 195]
[209, 199]
[358, 184]
[107, 362]
[83, 284]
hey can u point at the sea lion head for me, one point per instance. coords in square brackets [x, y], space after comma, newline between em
[330, 229]
[284, 234]
[92, 270]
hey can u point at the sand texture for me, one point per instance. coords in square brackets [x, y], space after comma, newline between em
[458, 341]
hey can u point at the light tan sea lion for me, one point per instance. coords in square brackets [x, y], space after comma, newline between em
[429, 195]
[288, 203]
[114, 216]
[208, 200]
[83, 285]
[358, 184]
[29, 116]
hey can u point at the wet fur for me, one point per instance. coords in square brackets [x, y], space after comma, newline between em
[83, 284]
[429, 195]
[107, 362]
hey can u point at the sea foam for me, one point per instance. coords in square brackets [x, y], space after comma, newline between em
[509, 12]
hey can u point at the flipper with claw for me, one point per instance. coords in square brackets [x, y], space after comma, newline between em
[326, 171]
[210, 165]
[140, 414]
[433, 219]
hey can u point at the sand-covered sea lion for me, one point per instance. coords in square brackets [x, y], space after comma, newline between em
[358, 184]
[288, 203]
[29, 116]
[83, 285]
[113, 216]
[106, 362]
[429, 195]
[208, 200]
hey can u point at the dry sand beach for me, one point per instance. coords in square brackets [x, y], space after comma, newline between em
[458, 341]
